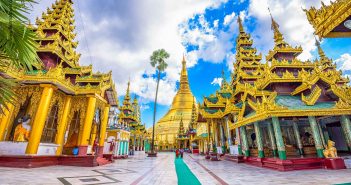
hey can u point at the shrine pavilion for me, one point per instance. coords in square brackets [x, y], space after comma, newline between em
[279, 114]
[62, 109]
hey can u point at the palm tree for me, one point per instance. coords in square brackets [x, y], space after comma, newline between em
[157, 61]
[17, 45]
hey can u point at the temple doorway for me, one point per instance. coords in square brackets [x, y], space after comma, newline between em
[72, 134]
[336, 134]
[50, 128]
[23, 110]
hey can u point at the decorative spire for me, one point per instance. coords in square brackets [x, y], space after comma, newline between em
[184, 82]
[193, 115]
[241, 28]
[181, 126]
[127, 96]
[278, 37]
[320, 50]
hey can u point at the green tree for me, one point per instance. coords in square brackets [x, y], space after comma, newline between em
[17, 45]
[157, 61]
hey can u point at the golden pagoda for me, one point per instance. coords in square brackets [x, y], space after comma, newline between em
[166, 129]
[283, 117]
[331, 21]
[62, 107]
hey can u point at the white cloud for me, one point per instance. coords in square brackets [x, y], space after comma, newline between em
[344, 62]
[228, 19]
[213, 45]
[215, 23]
[217, 81]
[123, 35]
[291, 19]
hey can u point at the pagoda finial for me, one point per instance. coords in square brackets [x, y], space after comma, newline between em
[241, 28]
[128, 86]
[278, 37]
[320, 50]
[184, 82]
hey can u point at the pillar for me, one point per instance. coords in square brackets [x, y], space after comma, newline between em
[244, 141]
[88, 121]
[316, 136]
[229, 137]
[279, 138]
[119, 148]
[215, 133]
[103, 128]
[259, 140]
[297, 137]
[346, 127]
[125, 147]
[221, 135]
[237, 130]
[272, 139]
[39, 120]
[62, 126]
[5, 120]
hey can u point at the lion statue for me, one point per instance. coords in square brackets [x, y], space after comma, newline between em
[330, 151]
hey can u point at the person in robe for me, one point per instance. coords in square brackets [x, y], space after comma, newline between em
[22, 130]
[112, 146]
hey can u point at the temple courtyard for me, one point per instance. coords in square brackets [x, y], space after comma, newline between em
[140, 169]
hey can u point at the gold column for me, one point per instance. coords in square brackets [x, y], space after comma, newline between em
[39, 120]
[62, 127]
[88, 121]
[5, 119]
[104, 126]
[93, 134]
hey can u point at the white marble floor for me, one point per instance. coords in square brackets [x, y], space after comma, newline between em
[137, 169]
[161, 170]
[227, 172]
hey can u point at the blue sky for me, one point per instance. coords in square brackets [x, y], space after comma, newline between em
[121, 36]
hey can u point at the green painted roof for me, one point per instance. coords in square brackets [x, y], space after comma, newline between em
[35, 72]
[203, 135]
[295, 103]
[211, 111]
[226, 95]
[212, 99]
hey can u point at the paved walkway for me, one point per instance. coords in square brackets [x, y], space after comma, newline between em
[227, 172]
[161, 170]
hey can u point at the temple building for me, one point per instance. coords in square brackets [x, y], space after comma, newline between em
[62, 108]
[166, 129]
[128, 133]
[276, 112]
[331, 21]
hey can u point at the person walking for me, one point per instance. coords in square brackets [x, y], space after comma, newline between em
[181, 153]
[177, 153]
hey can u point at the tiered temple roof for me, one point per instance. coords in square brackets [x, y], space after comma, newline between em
[60, 61]
[284, 86]
[130, 113]
[329, 21]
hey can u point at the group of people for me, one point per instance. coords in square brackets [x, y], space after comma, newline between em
[179, 152]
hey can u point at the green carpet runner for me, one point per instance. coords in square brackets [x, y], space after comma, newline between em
[185, 176]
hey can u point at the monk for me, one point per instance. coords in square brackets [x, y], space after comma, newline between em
[22, 130]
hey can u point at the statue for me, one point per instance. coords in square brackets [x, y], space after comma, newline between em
[330, 151]
[22, 130]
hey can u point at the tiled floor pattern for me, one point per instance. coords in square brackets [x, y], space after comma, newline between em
[161, 170]
[158, 170]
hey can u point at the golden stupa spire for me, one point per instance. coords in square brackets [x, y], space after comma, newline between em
[241, 28]
[184, 82]
[278, 37]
